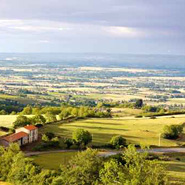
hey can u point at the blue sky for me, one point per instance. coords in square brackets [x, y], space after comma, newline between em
[100, 26]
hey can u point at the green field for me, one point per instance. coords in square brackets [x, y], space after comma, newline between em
[136, 130]
[53, 160]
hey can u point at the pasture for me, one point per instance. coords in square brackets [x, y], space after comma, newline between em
[53, 160]
[143, 131]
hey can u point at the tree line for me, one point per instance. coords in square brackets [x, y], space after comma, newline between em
[51, 114]
[85, 168]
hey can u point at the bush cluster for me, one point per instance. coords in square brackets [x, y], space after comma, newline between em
[172, 131]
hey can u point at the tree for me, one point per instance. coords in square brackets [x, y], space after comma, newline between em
[112, 173]
[27, 110]
[38, 119]
[172, 131]
[50, 117]
[6, 159]
[21, 121]
[139, 103]
[50, 135]
[68, 142]
[82, 136]
[82, 169]
[118, 141]
[142, 171]
[74, 112]
[64, 114]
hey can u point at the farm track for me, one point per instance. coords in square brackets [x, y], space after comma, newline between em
[109, 153]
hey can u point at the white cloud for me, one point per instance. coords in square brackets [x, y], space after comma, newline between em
[118, 31]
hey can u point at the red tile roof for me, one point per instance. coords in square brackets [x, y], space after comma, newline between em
[30, 127]
[15, 137]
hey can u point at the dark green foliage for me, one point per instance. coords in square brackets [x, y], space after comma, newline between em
[4, 129]
[46, 145]
[21, 121]
[49, 141]
[82, 136]
[69, 142]
[38, 119]
[139, 103]
[50, 135]
[118, 141]
[172, 131]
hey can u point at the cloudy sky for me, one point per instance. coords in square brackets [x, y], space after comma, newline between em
[103, 26]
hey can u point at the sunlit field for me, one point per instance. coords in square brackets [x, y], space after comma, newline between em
[136, 130]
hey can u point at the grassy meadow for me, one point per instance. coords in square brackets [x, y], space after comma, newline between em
[55, 159]
[136, 130]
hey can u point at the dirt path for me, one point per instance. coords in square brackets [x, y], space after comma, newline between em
[109, 153]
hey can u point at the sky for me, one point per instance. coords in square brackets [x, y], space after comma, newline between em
[95, 26]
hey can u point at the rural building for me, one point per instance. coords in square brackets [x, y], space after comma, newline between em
[22, 136]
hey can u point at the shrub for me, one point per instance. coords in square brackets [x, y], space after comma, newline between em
[68, 142]
[118, 141]
[4, 129]
[46, 146]
[82, 136]
[172, 131]
[45, 138]
[138, 116]
[50, 135]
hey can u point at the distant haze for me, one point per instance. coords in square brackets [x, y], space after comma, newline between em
[93, 60]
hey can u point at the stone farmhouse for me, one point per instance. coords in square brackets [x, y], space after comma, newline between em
[22, 136]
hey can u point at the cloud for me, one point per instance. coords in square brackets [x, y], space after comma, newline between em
[125, 32]
[157, 22]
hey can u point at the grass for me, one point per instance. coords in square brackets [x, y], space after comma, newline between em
[136, 130]
[7, 120]
[53, 160]
[121, 112]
